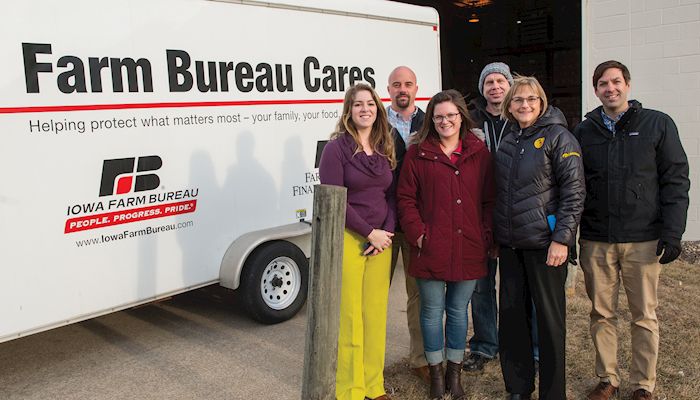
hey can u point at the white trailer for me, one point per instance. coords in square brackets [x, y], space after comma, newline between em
[151, 147]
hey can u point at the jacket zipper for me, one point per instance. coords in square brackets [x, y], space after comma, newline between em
[615, 148]
[513, 173]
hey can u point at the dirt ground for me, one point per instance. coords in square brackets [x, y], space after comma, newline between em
[679, 358]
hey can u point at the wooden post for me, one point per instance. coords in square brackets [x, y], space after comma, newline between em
[323, 302]
[570, 284]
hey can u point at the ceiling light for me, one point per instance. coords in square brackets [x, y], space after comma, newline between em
[476, 3]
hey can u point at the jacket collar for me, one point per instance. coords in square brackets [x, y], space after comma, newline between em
[430, 149]
[596, 117]
[479, 104]
[551, 116]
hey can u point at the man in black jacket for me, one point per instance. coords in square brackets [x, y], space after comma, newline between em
[494, 82]
[406, 118]
[636, 206]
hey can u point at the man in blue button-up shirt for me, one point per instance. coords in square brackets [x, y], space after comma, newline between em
[406, 118]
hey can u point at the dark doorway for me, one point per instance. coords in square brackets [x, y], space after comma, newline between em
[535, 37]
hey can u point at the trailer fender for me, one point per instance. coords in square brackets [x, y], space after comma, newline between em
[298, 233]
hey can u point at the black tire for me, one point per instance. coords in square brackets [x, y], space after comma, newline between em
[274, 282]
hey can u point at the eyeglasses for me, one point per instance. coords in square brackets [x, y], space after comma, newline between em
[520, 100]
[451, 117]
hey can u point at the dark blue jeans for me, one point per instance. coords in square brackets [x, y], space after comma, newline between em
[484, 317]
[484, 314]
[535, 337]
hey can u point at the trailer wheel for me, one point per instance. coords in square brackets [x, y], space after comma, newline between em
[274, 282]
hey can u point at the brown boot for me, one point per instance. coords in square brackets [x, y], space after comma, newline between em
[453, 380]
[604, 391]
[423, 373]
[641, 394]
[437, 381]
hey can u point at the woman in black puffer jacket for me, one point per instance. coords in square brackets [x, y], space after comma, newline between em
[540, 197]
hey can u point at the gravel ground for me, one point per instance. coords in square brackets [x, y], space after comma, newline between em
[679, 352]
[691, 253]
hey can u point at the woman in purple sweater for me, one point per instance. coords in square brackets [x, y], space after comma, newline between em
[360, 156]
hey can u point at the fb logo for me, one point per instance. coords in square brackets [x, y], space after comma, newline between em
[119, 175]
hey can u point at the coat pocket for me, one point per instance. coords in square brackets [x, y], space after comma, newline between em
[474, 243]
[434, 254]
[424, 243]
[641, 205]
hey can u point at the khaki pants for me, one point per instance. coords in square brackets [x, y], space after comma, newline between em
[605, 266]
[416, 357]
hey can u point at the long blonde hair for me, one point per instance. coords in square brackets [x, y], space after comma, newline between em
[380, 137]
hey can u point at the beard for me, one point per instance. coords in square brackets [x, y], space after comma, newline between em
[402, 101]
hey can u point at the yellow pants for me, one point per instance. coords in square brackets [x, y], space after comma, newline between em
[364, 295]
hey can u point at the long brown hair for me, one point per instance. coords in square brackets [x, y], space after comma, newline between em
[428, 128]
[380, 137]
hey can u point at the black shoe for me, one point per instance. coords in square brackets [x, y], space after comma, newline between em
[537, 367]
[475, 362]
[516, 396]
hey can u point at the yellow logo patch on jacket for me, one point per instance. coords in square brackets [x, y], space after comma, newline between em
[573, 153]
[539, 143]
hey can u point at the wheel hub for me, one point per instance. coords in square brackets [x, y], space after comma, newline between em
[276, 282]
[280, 283]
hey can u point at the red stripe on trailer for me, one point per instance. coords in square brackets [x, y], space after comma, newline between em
[128, 106]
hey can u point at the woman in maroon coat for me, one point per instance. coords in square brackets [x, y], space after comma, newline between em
[445, 199]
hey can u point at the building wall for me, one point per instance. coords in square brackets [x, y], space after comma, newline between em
[659, 40]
